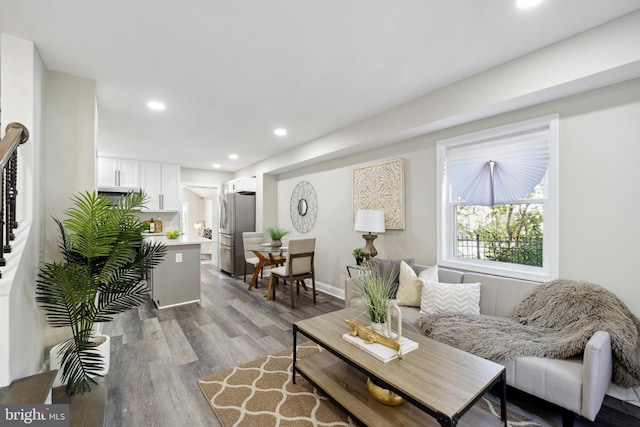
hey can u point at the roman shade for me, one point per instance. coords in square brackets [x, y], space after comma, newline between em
[499, 171]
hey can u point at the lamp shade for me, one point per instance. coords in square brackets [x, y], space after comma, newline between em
[369, 221]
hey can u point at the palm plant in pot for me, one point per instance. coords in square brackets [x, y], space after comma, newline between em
[105, 262]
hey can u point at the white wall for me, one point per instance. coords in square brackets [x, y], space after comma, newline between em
[332, 182]
[211, 211]
[598, 179]
[70, 148]
[599, 173]
[266, 209]
[21, 321]
[203, 209]
[69, 158]
[203, 177]
[211, 208]
[196, 210]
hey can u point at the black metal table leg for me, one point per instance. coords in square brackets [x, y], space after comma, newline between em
[503, 398]
[295, 347]
[446, 421]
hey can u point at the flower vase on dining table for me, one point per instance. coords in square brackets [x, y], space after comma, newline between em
[276, 234]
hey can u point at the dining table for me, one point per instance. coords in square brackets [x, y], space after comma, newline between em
[267, 255]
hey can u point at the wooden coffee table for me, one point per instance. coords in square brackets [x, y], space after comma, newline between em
[438, 379]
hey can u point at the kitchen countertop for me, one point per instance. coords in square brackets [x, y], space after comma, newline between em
[185, 239]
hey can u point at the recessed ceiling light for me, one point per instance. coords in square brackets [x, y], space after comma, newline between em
[280, 132]
[525, 4]
[216, 165]
[233, 156]
[155, 105]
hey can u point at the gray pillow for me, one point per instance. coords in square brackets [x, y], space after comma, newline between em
[392, 266]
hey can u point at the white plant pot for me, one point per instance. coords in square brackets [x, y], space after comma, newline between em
[380, 328]
[104, 348]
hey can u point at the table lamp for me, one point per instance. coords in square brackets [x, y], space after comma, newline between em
[369, 221]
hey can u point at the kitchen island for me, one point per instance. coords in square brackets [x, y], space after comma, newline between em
[176, 280]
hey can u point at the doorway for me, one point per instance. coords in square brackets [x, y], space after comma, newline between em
[200, 217]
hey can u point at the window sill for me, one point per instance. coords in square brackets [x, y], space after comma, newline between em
[524, 272]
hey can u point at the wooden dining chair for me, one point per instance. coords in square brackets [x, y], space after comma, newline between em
[299, 265]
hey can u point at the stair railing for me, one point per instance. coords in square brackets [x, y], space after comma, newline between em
[15, 134]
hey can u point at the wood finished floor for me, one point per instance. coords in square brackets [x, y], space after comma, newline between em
[157, 356]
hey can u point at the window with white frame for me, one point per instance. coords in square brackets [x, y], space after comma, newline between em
[498, 200]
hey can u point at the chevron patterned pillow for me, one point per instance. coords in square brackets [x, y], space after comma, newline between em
[460, 298]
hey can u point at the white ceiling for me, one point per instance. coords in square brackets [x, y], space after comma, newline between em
[202, 192]
[232, 71]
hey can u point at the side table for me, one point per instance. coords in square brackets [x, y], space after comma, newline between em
[359, 268]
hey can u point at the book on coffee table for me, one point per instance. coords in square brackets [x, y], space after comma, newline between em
[379, 351]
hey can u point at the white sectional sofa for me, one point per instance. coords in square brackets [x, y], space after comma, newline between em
[577, 384]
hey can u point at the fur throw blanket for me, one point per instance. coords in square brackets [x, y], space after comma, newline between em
[555, 321]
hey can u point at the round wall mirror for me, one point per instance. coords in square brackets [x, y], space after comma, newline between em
[302, 207]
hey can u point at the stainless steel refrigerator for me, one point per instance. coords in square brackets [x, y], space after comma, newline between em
[237, 215]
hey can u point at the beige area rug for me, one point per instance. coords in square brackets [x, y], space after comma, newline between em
[260, 393]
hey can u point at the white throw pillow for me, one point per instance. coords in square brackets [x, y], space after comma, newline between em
[461, 298]
[410, 287]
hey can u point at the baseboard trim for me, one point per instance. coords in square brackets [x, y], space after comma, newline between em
[330, 290]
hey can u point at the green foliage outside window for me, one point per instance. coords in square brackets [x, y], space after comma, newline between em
[510, 233]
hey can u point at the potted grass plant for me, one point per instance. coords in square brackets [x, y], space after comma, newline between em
[103, 271]
[376, 287]
[276, 234]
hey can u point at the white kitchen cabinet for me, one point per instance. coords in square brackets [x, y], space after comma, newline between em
[150, 174]
[118, 173]
[170, 187]
[161, 182]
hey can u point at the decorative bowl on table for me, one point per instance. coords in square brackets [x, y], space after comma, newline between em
[174, 234]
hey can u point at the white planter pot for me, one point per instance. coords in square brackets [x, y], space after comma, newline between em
[104, 348]
[380, 328]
